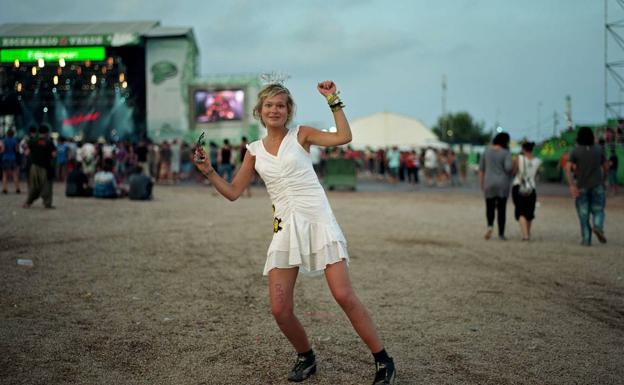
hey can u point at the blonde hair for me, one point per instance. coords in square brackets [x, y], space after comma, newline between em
[269, 91]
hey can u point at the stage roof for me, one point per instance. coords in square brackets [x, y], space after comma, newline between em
[15, 35]
[73, 29]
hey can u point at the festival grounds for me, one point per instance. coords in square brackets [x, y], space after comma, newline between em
[171, 292]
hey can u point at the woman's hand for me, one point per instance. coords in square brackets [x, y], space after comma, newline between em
[574, 191]
[326, 88]
[201, 161]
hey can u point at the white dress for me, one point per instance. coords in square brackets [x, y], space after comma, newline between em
[306, 233]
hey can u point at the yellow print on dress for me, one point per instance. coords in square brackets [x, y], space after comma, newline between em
[276, 221]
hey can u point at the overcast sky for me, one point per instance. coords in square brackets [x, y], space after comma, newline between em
[505, 61]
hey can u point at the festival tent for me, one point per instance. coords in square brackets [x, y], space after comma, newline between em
[387, 129]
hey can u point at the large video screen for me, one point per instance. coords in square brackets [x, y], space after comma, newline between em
[219, 105]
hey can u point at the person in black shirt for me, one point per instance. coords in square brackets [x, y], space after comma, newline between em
[587, 187]
[140, 185]
[226, 168]
[141, 154]
[78, 183]
[242, 150]
[612, 173]
[42, 152]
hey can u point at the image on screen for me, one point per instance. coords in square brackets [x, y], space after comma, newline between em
[219, 105]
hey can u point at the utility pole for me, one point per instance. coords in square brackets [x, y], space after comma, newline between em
[568, 112]
[539, 120]
[444, 117]
[555, 123]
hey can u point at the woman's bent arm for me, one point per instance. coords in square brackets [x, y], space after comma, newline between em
[241, 181]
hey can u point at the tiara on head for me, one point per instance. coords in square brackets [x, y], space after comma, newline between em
[275, 77]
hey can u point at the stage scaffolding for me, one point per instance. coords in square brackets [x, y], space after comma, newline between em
[613, 59]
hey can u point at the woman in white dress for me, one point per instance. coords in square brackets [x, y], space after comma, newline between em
[307, 238]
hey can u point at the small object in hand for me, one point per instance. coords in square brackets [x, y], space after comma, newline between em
[199, 158]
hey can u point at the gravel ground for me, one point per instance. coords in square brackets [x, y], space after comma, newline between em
[171, 292]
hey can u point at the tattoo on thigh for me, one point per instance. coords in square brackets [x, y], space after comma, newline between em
[279, 292]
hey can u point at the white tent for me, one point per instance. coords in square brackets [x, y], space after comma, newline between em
[386, 129]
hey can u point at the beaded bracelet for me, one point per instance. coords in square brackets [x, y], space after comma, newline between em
[335, 104]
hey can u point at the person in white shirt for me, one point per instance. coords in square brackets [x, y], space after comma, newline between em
[86, 155]
[523, 191]
[176, 152]
[431, 165]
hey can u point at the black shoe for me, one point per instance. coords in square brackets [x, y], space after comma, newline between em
[385, 373]
[304, 368]
[600, 235]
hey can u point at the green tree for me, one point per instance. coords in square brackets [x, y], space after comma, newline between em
[460, 127]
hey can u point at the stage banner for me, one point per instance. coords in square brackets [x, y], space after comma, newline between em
[113, 40]
[168, 73]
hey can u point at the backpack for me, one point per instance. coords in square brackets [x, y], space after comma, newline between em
[525, 188]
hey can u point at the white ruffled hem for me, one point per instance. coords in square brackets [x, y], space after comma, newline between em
[309, 264]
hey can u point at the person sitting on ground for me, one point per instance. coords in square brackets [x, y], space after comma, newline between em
[105, 182]
[78, 183]
[140, 185]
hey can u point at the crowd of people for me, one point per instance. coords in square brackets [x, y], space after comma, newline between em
[78, 162]
[101, 169]
[438, 167]
[113, 170]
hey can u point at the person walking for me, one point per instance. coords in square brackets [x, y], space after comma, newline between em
[495, 168]
[523, 191]
[587, 186]
[307, 238]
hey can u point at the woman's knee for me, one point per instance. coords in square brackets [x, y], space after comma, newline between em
[282, 312]
[346, 298]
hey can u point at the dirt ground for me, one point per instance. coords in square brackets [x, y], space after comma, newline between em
[171, 292]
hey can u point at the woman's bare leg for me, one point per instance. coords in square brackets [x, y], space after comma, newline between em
[340, 287]
[281, 288]
[524, 227]
[15, 175]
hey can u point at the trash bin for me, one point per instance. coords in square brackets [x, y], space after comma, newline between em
[551, 171]
[340, 173]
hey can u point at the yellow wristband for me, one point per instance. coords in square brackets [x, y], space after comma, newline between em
[331, 98]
